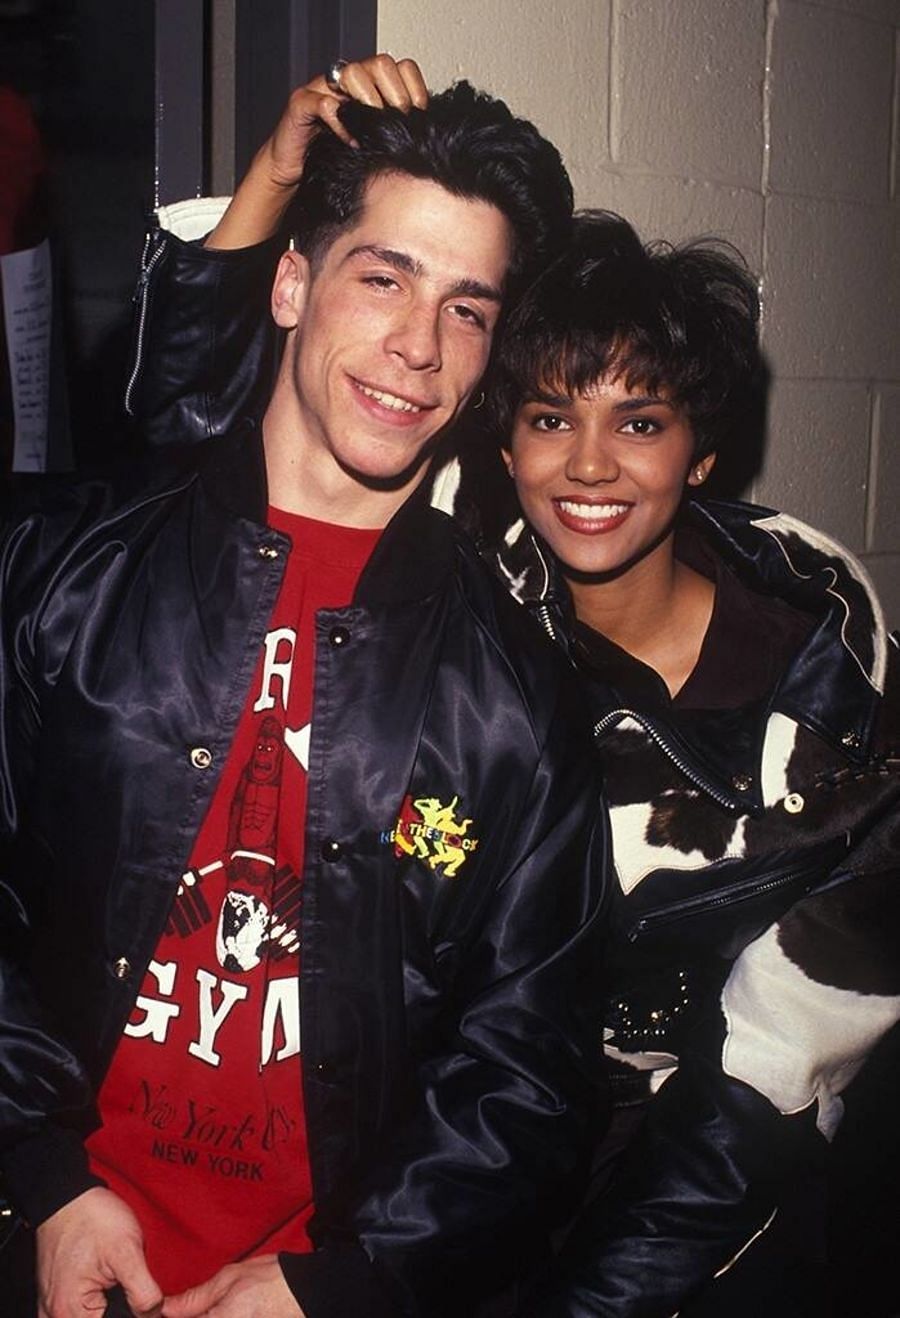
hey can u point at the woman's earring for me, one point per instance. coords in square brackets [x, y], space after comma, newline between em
[479, 403]
[699, 474]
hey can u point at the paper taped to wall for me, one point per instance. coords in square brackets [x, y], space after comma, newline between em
[28, 317]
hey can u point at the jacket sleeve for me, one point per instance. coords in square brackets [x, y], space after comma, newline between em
[45, 1096]
[459, 1201]
[694, 1188]
[205, 346]
[804, 1004]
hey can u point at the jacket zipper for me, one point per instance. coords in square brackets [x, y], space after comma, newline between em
[141, 297]
[739, 893]
[543, 615]
[614, 716]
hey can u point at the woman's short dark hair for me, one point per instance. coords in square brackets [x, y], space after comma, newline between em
[468, 142]
[681, 321]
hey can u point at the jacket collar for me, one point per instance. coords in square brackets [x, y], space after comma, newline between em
[413, 557]
[833, 684]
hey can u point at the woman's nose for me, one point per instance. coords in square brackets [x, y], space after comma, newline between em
[591, 459]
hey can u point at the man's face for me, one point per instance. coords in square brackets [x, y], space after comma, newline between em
[393, 330]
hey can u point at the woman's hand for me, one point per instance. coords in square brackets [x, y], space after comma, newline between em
[266, 190]
[377, 81]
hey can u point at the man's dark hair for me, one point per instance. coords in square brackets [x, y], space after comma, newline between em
[681, 321]
[467, 142]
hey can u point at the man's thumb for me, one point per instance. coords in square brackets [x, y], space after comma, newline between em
[144, 1297]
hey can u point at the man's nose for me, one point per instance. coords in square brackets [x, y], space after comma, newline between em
[416, 338]
[591, 458]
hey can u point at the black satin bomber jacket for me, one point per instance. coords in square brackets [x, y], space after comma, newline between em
[448, 1049]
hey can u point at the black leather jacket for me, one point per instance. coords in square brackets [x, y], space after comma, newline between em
[740, 950]
[205, 344]
[754, 957]
[133, 613]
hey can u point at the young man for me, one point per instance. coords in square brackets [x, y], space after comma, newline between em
[281, 779]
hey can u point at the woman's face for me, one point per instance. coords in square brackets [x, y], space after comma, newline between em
[600, 476]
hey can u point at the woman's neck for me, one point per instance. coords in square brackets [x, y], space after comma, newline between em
[658, 611]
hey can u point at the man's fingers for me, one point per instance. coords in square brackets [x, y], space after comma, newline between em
[92, 1301]
[197, 1300]
[141, 1310]
[189, 1304]
[144, 1296]
[255, 1286]
[144, 1303]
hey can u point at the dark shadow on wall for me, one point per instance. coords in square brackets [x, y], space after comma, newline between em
[741, 460]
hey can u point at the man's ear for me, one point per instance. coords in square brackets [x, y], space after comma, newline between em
[700, 470]
[290, 289]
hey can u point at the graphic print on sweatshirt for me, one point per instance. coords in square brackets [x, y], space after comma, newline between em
[203, 1127]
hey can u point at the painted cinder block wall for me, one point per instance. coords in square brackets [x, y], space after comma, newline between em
[771, 123]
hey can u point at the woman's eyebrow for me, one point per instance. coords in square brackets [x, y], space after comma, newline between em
[643, 400]
[547, 397]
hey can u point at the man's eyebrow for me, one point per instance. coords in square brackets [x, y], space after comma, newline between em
[475, 288]
[408, 265]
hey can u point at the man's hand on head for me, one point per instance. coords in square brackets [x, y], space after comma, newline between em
[258, 205]
[90, 1245]
[241, 1290]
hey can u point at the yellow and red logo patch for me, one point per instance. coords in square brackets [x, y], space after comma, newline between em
[430, 830]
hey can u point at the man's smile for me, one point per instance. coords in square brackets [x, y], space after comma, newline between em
[395, 402]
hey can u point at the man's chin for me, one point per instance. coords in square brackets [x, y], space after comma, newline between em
[383, 475]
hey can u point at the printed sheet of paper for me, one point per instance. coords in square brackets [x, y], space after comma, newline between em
[28, 316]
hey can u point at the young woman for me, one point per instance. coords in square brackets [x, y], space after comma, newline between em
[744, 698]
[743, 693]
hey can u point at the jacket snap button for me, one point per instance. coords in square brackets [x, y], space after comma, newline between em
[122, 968]
[338, 636]
[324, 1071]
[794, 803]
[267, 551]
[201, 758]
[332, 849]
[742, 782]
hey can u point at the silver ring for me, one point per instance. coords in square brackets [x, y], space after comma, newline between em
[333, 76]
